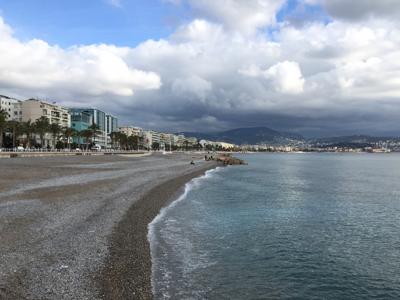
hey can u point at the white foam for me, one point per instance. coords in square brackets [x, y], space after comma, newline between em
[152, 237]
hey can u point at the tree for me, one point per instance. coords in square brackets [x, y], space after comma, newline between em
[68, 134]
[16, 129]
[88, 135]
[155, 146]
[134, 142]
[95, 129]
[186, 143]
[123, 140]
[28, 128]
[114, 138]
[3, 124]
[55, 131]
[42, 127]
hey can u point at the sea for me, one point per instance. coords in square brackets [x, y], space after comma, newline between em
[286, 226]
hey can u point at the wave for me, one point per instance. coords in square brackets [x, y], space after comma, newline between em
[152, 236]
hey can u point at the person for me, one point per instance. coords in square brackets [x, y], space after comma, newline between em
[192, 162]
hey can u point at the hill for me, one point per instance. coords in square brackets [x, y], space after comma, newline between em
[249, 136]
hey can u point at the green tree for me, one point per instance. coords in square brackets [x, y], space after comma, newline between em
[42, 127]
[3, 125]
[55, 131]
[95, 129]
[114, 138]
[87, 135]
[133, 142]
[28, 128]
[155, 146]
[186, 143]
[123, 140]
[16, 130]
[68, 134]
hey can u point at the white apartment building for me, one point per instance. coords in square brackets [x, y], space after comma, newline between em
[151, 137]
[12, 107]
[167, 139]
[131, 130]
[33, 109]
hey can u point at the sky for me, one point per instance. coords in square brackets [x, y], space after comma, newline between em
[314, 67]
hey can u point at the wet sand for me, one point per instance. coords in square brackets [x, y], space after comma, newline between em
[76, 227]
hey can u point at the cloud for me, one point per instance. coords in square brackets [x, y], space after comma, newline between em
[213, 73]
[237, 15]
[95, 70]
[359, 9]
[285, 77]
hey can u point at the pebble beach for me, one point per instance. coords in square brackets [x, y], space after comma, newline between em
[76, 227]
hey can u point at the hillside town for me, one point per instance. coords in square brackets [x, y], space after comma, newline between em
[37, 124]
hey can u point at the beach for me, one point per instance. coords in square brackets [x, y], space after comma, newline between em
[76, 227]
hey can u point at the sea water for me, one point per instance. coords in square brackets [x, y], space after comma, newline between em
[286, 226]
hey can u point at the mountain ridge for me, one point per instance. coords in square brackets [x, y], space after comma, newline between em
[248, 135]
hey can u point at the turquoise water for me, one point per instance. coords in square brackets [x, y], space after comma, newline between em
[287, 226]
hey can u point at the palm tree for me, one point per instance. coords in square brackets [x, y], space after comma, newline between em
[69, 133]
[132, 142]
[55, 131]
[95, 129]
[3, 124]
[42, 126]
[123, 140]
[28, 128]
[114, 138]
[88, 135]
[16, 129]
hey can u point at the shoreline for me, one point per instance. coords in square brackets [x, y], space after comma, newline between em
[128, 269]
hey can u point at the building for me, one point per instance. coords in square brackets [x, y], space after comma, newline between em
[80, 121]
[179, 140]
[131, 130]
[167, 139]
[106, 123]
[12, 107]
[151, 137]
[111, 126]
[34, 109]
[97, 117]
[155, 137]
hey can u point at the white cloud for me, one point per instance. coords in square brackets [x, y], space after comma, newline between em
[286, 77]
[237, 15]
[88, 70]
